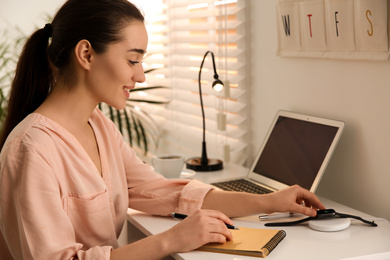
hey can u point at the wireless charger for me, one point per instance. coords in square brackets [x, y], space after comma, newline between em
[330, 225]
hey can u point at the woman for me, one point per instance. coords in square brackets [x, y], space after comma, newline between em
[66, 175]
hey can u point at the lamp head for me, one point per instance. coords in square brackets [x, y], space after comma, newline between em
[217, 85]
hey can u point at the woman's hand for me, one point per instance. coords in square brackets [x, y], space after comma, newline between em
[201, 227]
[294, 199]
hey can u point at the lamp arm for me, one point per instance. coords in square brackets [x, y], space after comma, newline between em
[214, 67]
[200, 95]
[204, 158]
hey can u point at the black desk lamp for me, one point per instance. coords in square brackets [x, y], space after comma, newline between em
[204, 164]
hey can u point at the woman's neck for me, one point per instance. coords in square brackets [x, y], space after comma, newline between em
[71, 108]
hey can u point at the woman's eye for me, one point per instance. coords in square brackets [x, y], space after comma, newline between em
[133, 62]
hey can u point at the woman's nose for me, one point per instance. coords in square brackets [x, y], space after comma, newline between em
[139, 75]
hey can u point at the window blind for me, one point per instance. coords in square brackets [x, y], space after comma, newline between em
[180, 33]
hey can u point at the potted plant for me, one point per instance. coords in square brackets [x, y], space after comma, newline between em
[10, 47]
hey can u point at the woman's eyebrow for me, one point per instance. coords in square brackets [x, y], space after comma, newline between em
[140, 51]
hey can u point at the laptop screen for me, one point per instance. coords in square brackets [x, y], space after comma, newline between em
[296, 151]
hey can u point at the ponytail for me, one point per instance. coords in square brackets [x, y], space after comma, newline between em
[32, 82]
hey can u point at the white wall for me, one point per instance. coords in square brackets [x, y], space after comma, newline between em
[357, 92]
[27, 14]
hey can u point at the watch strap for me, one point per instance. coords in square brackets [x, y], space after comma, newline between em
[290, 223]
[342, 215]
[336, 214]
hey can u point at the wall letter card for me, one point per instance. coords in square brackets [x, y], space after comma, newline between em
[312, 22]
[340, 28]
[288, 26]
[371, 25]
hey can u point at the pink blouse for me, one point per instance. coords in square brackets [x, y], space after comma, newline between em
[54, 204]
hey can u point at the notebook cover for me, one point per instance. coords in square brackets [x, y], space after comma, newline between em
[248, 241]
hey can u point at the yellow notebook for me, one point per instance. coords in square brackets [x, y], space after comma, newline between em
[248, 241]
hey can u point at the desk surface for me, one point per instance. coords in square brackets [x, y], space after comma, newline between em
[301, 242]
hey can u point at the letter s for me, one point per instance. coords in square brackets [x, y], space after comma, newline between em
[372, 28]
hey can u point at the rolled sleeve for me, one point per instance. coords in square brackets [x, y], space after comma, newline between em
[192, 196]
[163, 196]
[97, 252]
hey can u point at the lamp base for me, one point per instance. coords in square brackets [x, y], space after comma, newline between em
[196, 165]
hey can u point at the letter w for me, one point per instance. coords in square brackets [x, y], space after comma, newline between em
[286, 24]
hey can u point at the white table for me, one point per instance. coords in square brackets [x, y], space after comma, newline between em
[359, 241]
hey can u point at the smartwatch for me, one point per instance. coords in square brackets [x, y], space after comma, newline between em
[321, 214]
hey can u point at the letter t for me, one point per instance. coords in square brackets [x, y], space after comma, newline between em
[311, 34]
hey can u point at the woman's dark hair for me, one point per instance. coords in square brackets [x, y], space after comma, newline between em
[41, 64]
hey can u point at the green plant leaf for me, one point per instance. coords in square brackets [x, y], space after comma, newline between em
[149, 101]
[128, 127]
[111, 113]
[150, 70]
[147, 88]
[119, 120]
[145, 140]
[135, 127]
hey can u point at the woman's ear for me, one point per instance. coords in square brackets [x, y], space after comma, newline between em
[83, 53]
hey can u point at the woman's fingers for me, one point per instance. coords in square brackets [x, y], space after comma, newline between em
[295, 199]
[215, 214]
[201, 227]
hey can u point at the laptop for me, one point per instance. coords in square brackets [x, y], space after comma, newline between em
[296, 150]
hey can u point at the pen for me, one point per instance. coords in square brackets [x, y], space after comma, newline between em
[275, 216]
[183, 216]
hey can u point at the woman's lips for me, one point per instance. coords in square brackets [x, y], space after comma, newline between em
[126, 91]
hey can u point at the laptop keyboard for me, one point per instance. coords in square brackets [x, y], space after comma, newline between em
[241, 185]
